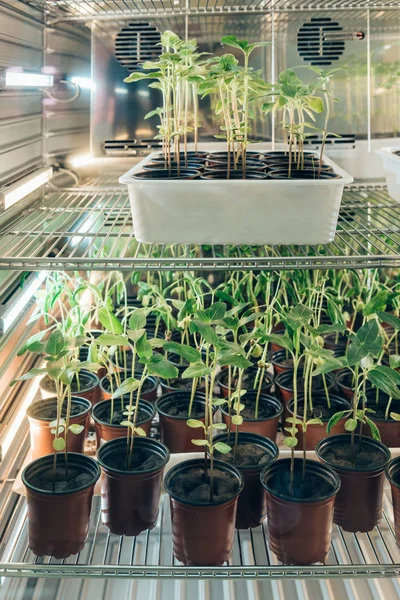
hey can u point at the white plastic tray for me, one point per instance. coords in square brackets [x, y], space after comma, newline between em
[391, 164]
[235, 211]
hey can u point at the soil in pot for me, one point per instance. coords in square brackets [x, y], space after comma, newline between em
[269, 412]
[106, 430]
[300, 523]
[167, 174]
[59, 506]
[393, 475]
[322, 411]
[254, 452]
[173, 412]
[301, 174]
[177, 384]
[190, 154]
[191, 164]
[249, 154]
[358, 505]
[248, 381]
[43, 412]
[389, 429]
[282, 362]
[223, 174]
[88, 387]
[203, 530]
[148, 392]
[344, 383]
[130, 497]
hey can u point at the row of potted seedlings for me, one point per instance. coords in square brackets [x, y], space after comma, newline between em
[239, 480]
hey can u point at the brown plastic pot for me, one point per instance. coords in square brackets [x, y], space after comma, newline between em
[202, 534]
[130, 499]
[167, 385]
[106, 432]
[40, 432]
[89, 387]
[334, 341]
[393, 475]
[299, 531]
[282, 362]
[343, 383]
[358, 505]
[150, 395]
[58, 522]
[316, 433]
[284, 388]
[252, 503]
[389, 429]
[265, 427]
[224, 389]
[174, 432]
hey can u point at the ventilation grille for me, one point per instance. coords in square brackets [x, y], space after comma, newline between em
[346, 140]
[130, 147]
[321, 41]
[137, 43]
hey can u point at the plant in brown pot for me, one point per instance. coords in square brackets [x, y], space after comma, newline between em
[204, 492]
[300, 492]
[60, 486]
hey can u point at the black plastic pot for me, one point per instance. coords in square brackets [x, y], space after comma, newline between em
[358, 505]
[130, 499]
[249, 154]
[159, 157]
[167, 174]
[191, 164]
[393, 475]
[301, 174]
[252, 504]
[58, 522]
[223, 174]
[250, 164]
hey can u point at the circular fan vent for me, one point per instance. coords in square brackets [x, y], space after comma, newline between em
[136, 43]
[321, 41]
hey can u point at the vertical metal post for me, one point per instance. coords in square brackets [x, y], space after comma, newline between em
[369, 79]
[273, 73]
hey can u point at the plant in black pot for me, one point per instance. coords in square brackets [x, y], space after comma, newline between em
[204, 492]
[300, 492]
[60, 487]
[360, 461]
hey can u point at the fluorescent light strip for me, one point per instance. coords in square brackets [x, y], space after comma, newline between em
[82, 160]
[85, 83]
[30, 80]
[26, 186]
[11, 314]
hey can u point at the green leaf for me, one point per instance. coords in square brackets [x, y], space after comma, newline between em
[195, 423]
[368, 333]
[373, 428]
[334, 420]
[136, 335]
[298, 316]
[394, 361]
[109, 339]
[206, 332]
[314, 422]
[385, 379]
[335, 313]
[220, 426]
[216, 312]
[143, 348]
[56, 343]
[31, 342]
[237, 420]
[187, 352]
[163, 368]
[291, 442]
[390, 319]
[140, 431]
[377, 303]
[355, 353]
[59, 444]
[316, 104]
[330, 365]
[395, 416]
[127, 387]
[138, 319]
[233, 360]
[110, 321]
[76, 429]
[294, 420]
[196, 370]
[350, 425]
[280, 340]
[222, 448]
[200, 442]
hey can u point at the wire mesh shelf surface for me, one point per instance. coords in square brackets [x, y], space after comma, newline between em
[91, 228]
[150, 554]
[95, 9]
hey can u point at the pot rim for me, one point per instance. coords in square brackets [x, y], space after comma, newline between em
[251, 369]
[253, 438]
[334, 397]
[265, 398]
[341, 437]
[319, 468]
[72, 456]
[88, 388]
[74, 398]
[146, 441]
[144, 404]
[299, 372]
[199, 398]
[195, 462]
[393, 464]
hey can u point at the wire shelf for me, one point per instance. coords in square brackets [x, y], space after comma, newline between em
[91, 228]
[150, 554]
[110, 9]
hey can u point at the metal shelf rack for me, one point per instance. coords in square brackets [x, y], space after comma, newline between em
[149, 555]
[91, 228]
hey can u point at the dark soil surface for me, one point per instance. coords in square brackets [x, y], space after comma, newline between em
[313, 487]
[177, 360]
[105, 413]
[284, 361]
[180, 409]
[265, 410]
[148, 385]
[194, 486]
[59, 483]
[50, 412]
[320, 410]
[86, 382]
[141, 460]
[340, 341]
[347, 381]
[396, 477]
[247, 380]
[364, 456]
[380, 408]
[248, 455]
